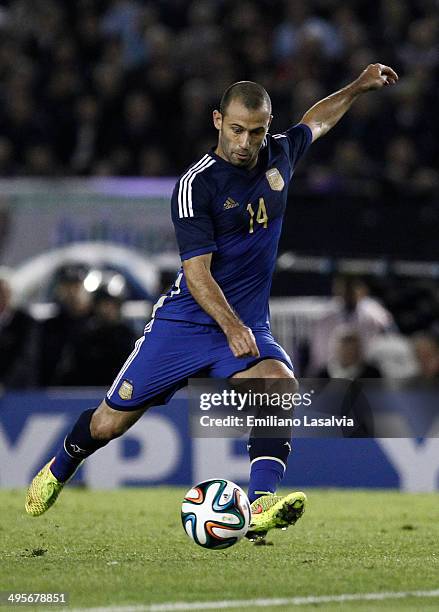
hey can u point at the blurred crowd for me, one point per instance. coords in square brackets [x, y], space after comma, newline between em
[125, 87]
[84, 343]
[358, 337]
[85, 340]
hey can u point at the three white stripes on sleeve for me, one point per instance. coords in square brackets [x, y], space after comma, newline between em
[185, 208]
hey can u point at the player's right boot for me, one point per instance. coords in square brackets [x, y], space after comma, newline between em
[43, 491]
[274, 512]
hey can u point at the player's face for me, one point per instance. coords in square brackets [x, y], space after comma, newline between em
[241, 133]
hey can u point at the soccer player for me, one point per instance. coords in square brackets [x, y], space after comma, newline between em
[227, 209]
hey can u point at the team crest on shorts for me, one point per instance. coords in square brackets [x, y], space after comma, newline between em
[275, 180]
[126, 390]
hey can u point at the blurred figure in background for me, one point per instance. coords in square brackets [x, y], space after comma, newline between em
[15, 332]
[426, 346]
[101, 346]
[351, 305]
[349, 360]
[57, 336]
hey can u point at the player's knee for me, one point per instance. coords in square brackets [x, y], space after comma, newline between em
[283, 384]
[276, 369]
[293, 384]
[279, 371]
[282, 377]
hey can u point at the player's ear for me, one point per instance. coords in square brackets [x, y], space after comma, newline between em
[217, 119]
[269, 122]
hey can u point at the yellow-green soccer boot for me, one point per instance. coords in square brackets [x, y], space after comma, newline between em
[275, 512]
[43, 491]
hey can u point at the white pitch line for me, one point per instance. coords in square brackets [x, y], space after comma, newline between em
[261, 603]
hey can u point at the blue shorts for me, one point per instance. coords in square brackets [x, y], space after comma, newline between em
[170, 352]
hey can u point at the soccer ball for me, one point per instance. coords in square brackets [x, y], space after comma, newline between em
[216, 513]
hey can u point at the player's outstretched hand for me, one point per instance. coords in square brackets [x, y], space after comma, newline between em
[376, 76]
[242, 341]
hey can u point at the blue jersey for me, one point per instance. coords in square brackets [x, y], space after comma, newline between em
[236, 214]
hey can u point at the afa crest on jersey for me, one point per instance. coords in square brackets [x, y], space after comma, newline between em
[275, 180]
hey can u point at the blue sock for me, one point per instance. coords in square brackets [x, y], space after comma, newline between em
[77, 446]
[265, 476]
[64, 465]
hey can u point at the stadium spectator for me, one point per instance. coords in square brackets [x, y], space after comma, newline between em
[426, 346]
[101, 346]
[86, 134]
[351, 305]
[57, 335]
[349, 360]
[15, 334]
[7, 163]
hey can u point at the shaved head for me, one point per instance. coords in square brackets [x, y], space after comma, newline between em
[251, 95]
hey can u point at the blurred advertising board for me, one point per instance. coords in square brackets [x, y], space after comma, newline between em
[159, 450]
[38, 215]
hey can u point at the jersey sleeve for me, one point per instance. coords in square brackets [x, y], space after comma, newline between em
[295, 141]
[192, 217]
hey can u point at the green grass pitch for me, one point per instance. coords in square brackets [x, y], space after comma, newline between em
[128, 547]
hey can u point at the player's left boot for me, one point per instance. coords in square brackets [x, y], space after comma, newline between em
[274, 512]
[43, 491]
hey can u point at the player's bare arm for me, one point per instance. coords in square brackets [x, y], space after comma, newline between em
[206, 291]
[321, 117]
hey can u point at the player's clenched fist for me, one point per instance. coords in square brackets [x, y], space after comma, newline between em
[242, 341]
[376, 76]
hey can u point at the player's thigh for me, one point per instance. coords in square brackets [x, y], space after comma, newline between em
[107, 423]
[273, 361]
[267, 368]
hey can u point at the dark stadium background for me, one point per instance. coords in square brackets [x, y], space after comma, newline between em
[127, 88]
[104, 103]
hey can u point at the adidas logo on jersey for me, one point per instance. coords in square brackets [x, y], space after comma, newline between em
[230, 203]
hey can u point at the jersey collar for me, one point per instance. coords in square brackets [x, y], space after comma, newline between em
[261, 163]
